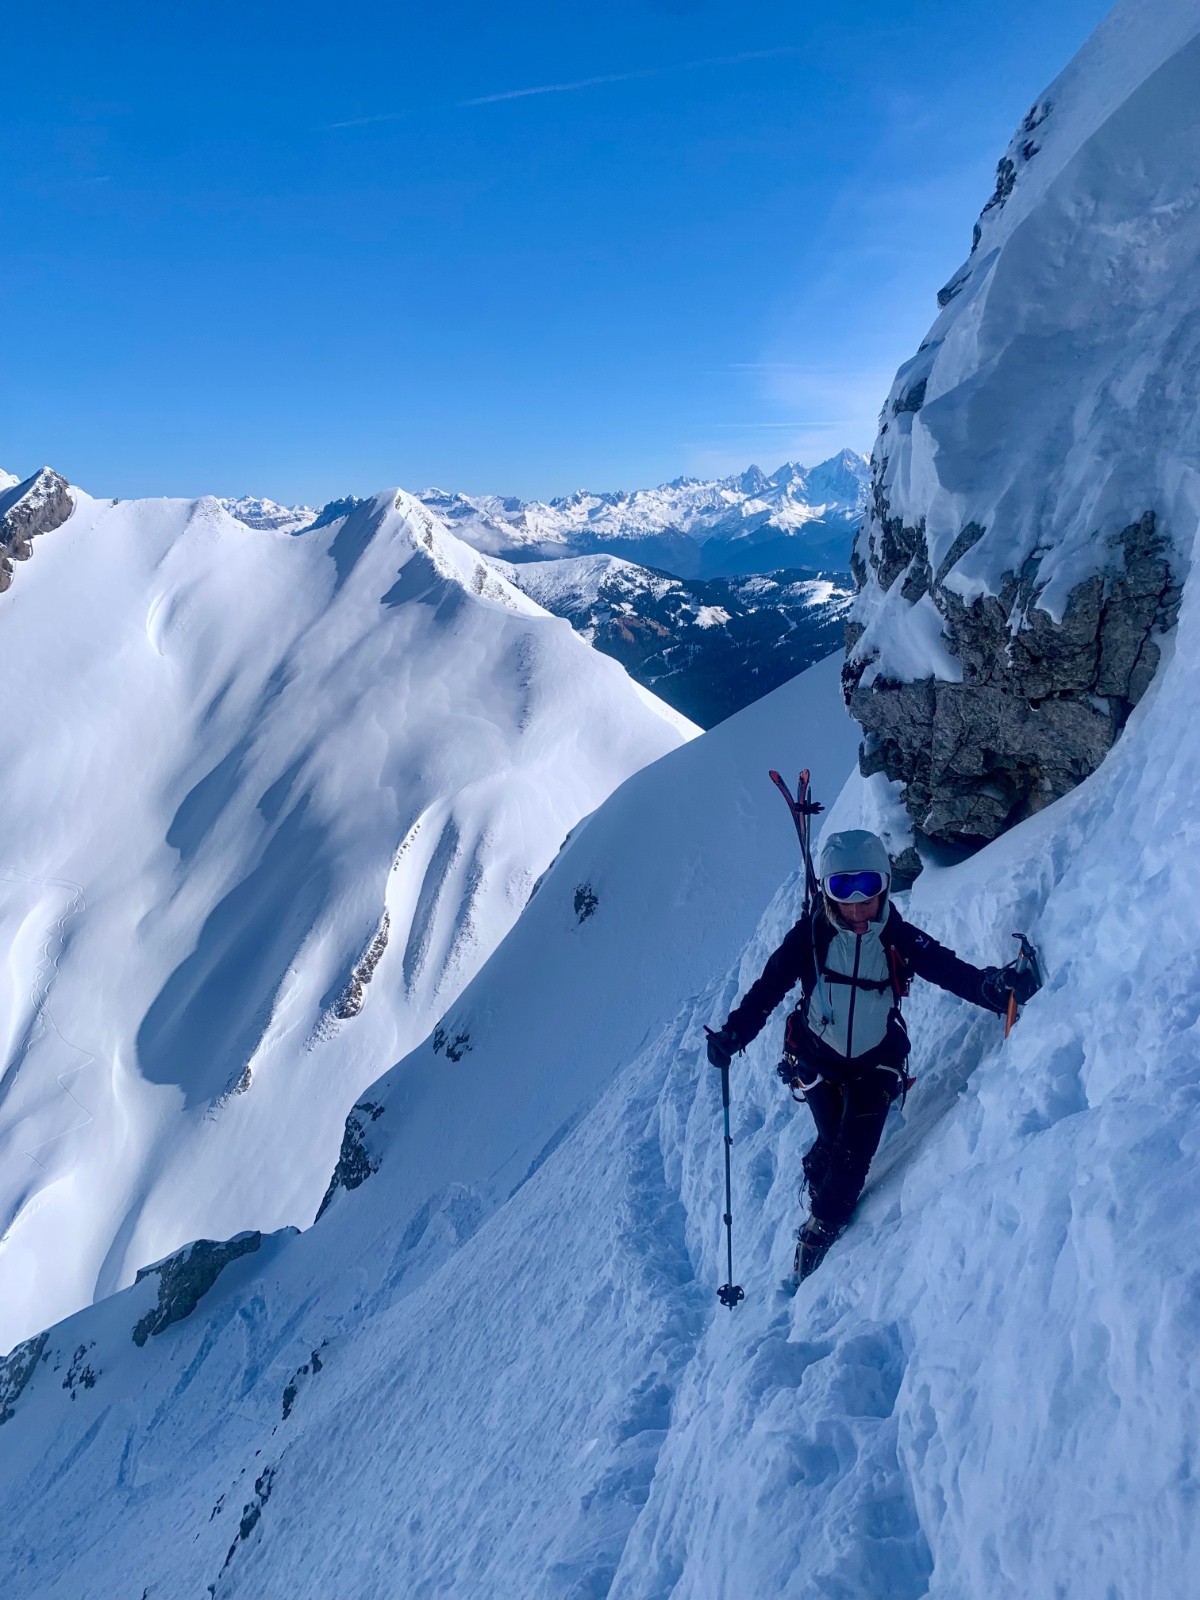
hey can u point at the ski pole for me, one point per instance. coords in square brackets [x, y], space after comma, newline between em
[729, 1293]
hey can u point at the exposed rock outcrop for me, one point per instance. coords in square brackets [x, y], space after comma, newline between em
[16, 1369]
[186, 1277]
[355, 1163]
[1033, 485]
[1041, 699]
[350, 1002]
[38, 505]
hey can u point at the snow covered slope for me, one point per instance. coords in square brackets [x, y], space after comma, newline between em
[1037, 474]
[497, 1367]
[270, 801]
[657, 890]
[797, 517]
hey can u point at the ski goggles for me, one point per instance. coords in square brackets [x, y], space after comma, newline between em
[850, 886]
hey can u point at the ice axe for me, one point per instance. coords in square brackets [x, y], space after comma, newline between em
[1027, 961]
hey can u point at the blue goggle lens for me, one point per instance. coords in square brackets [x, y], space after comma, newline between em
[854, 885]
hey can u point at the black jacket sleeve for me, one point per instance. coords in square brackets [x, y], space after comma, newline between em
[791, 964]
[931, 960]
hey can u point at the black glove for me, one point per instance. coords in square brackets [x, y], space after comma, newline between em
[999, 982]
[720, 1048]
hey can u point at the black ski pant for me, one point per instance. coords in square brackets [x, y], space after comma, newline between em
[849, 1118]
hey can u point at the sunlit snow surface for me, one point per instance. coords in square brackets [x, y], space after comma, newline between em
[1056, 399]
[234, 759]
[524, 1388]
[527, 1387]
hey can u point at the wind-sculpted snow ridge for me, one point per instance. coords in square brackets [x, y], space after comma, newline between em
[497, 1365]
[749, 523]
[231, 757]
[1035, 483]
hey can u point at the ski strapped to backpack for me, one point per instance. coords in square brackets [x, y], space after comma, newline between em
[802, 809]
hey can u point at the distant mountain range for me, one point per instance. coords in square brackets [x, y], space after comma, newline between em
[710, 592]
[797, 517]
[256, 512]
[692, 527]
[708, 647]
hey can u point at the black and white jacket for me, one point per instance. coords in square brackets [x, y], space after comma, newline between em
[849, 1015]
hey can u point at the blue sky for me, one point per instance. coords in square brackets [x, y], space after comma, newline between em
[304, 250]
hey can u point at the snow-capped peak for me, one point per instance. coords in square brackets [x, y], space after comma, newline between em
[692, 527]
[322, 762]
[257, 512]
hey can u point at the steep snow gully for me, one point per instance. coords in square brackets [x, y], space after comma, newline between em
[523, 1384]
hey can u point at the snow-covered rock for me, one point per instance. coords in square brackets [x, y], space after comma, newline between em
[1035, 478]
[749, 523]
[259, 513]
[270, 801]
[38, 505]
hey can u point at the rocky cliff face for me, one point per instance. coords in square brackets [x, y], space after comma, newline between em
[1041, 700]
[38, 505]
[1035, 482]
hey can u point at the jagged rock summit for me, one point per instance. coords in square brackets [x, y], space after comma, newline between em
[38, 505]
[1034, 482]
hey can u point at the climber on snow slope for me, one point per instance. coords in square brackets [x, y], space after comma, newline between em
[846, 1046]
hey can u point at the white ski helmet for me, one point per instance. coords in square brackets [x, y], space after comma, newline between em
[855, 850]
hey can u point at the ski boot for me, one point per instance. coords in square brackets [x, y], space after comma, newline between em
[812, 1246]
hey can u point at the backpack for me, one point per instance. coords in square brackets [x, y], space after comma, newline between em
[899, 981]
